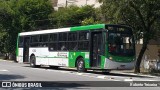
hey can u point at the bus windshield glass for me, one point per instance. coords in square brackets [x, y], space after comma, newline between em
[120, 41]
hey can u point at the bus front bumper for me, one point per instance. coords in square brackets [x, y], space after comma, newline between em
[109, 64]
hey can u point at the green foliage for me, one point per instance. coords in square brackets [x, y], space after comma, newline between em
[141, 15]
[27, 15]
[22, 15]
[73, 15]
[90, 21]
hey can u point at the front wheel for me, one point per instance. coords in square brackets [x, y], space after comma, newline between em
[81, 65]
[54, 67]
[33, 62]
[106, 71]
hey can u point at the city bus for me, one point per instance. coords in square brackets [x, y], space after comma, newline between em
[98, 47]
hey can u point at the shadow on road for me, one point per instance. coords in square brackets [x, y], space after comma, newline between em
[10, 77]
[97, 72]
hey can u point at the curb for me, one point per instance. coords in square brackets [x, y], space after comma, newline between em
[6, 60]
[139, 74]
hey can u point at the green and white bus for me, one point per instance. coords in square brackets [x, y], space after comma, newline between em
[99, 47]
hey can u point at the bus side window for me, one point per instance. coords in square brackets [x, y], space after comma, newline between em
[72, 41]
[52, 46]
[20, 42]
[53, 42]
[83, 35]
[44, 40]
[34, 41]
[62, 44]
[83, 43]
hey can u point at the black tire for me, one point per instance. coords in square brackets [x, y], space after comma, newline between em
[81, 65]
[106, 72]
[33, 62]
[54, 67]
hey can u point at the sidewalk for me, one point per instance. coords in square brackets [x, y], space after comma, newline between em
[131, 72]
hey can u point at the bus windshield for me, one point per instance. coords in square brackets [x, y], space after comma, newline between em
[120, 42]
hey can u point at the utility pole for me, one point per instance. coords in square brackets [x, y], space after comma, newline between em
[66, 3]
[86, 2]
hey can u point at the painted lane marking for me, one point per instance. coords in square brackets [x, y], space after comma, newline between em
[6, 60]
[144, 80]
[128, 79]
[79, 73]
[138, 74]
[4, 70]
[110, 78]
[102, 77]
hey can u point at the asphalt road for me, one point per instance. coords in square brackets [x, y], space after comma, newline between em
[10, 71]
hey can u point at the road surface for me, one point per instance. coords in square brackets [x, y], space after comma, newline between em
[11, 71]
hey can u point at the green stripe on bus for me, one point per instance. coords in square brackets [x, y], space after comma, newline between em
[103, 58]
[123, 59]
[74, 55]
[89, 27]
[17, 51]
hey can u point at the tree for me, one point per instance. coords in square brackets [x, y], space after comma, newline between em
[22, 15]
[73, 15]
[89, 21]
[141, 15]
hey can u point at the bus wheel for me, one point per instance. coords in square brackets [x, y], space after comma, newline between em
[80, 65]
[33, 62]
[106, 72]
[54, 67]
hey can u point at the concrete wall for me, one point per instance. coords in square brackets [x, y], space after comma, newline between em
[151, 52]
[150, 57]
[62, 3]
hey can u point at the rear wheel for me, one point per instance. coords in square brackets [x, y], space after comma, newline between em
[33, 62]
[54, 67]
[106, 71]
[81, 65]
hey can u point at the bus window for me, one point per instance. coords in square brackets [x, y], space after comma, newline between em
[83, 43]
[83, 35]
[44, 38]
[72, 36]
[62, 36]
[121, 44]
[53, 42]
[53, 38]
[20, 43]
[72, 41]
[35, 39]
[53, 46]
[62, 44]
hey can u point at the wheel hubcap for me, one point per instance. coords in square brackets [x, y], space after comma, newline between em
[80, 65]
[32, 61]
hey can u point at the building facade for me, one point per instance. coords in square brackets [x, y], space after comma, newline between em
[64, 3]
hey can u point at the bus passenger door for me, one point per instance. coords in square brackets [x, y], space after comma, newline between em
[26, 49]
[96, 46]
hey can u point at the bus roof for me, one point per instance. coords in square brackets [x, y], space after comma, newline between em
[88, 27]
[77, 28]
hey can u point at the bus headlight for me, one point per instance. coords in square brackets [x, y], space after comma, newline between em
[110, 58]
